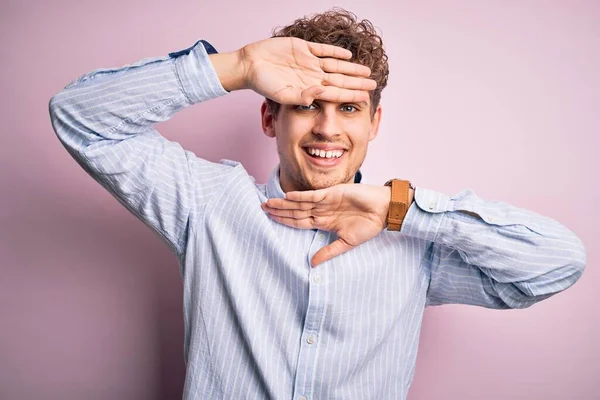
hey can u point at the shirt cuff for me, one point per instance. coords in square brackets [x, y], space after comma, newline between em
[197, 76]
[425, 215]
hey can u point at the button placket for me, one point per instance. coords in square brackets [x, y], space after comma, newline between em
[315, 312]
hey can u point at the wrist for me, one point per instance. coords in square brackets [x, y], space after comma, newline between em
[402, 195]
[230, 69]
[386, 198]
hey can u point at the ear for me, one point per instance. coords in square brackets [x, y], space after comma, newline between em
[267, 119]
[375, 123]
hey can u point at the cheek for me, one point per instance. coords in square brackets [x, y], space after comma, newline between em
[291, 130]
[287, 145]
[294, 136]
[360, 136]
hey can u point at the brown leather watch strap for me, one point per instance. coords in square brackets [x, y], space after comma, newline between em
[398, 204]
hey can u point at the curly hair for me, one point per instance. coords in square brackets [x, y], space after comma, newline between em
[341, 28]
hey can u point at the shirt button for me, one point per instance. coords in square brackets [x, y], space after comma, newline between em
[316, 278]
[321, 236]
[432, 204]
[311, 339]
[302, 398]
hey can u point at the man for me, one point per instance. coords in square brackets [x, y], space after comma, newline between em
[260, 320]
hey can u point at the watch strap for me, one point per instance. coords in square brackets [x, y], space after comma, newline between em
[398, 203]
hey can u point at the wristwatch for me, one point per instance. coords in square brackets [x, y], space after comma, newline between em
[399, 203]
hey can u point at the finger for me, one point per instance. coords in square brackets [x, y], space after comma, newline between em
[328, 50]
[306, 223]
[335, 65]
[336, 95]
[310, 94]
[309, 196]
[328, 252]
[349, 82]
[295, 214]
[291, 95]
[289, 204]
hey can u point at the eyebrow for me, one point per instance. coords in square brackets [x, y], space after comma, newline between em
[360, 103]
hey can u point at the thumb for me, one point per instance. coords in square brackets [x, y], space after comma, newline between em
[328, 252]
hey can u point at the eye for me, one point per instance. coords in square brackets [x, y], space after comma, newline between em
[305, 108]
[349, 108]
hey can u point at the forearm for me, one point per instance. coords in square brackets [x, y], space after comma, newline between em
[117, 103]
[510, 245]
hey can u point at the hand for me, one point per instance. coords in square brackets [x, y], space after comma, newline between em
[355, 212]
[294, 71]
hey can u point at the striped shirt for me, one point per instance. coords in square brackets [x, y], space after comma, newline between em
[260, 323]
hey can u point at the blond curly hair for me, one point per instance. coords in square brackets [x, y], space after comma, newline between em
[342, 28]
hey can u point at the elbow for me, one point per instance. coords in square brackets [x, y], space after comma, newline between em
[67, 123]
[558, 278]
[570, 259]
[54, 105]
[578, 260]
[57, 115]
[574, 258]
[52, 109]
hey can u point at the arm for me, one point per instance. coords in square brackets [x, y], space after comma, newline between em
[484, 253]
[104, 119]
[492, 254]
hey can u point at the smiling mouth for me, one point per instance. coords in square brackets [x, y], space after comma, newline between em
[324, 154]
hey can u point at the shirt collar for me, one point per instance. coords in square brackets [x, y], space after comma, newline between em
[274, 186]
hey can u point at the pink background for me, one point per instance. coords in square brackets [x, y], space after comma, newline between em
[501, 97]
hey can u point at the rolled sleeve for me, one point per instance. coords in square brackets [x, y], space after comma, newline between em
[197, 76]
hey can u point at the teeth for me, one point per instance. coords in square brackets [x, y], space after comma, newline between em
[325, 154]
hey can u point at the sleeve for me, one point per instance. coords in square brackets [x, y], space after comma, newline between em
[489, 253]
[105, 121]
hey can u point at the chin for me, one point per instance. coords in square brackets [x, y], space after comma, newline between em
[325, 182]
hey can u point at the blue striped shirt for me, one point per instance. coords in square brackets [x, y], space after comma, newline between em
[260, 323]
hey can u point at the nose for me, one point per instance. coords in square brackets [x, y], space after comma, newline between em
[327, 124]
